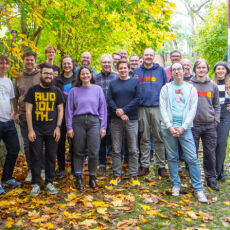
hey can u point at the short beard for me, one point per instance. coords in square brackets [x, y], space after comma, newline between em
[45, 84]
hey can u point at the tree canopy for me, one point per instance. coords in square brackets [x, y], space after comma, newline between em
[76, 26]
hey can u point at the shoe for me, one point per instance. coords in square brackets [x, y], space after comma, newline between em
[213, 185]
[35, 190]
[11, 183]
[115, 181]
[201, 197]
[60, 174]
[163, 172]
[101, 172]
[79, 183]
[93, 182]
[143, 171]
[43, 174]
[134, 181]
[221, 178]
[1, 189]
[51, 189]
[29, 177]
[175, 191]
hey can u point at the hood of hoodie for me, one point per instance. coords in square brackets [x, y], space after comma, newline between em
[25, 74]
[194, 79]
[155, 66]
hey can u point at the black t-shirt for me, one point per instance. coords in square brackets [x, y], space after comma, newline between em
[45, 102]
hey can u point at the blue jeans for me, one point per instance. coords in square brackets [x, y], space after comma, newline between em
[188, 146]
[9, 136]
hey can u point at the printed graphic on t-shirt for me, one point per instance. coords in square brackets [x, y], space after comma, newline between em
[44, 105]
[179, 95]
[204, 94]
[67, 88]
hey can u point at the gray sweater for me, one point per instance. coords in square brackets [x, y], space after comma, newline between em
[208, 108]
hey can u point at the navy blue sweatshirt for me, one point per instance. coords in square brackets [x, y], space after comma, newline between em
[124, 94]
[151, 82]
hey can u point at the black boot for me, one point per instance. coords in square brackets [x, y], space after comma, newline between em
[92, 182]
[79, 183]
[213, 185]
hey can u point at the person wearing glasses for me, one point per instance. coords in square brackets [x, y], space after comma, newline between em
[44, 113]
[178, 103]
[175, 56]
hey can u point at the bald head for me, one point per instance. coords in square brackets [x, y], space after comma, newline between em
[85, 58]
[124, 54]
[148, 57]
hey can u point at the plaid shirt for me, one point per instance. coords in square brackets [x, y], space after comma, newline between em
[104, 80]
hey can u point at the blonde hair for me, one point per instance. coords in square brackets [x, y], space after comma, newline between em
[50, 47]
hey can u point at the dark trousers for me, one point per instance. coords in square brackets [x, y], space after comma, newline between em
[86, 134]
[36, 151]
[8, 134]
[106, 145]
[222, 138]
[208, 135]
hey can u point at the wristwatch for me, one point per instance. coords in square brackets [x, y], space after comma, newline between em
[59, 126]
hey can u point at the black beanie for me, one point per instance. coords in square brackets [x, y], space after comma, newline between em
[222, 64]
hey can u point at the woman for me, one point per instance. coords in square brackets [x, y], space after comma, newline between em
[206, 119]
[64, 82]
[221, 78]
[86, 120]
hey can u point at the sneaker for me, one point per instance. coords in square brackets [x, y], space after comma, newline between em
[11, 183]
[163, 172]
[201, 197]
[60, 174]
[175, 191]
[1, 189]
[29, 177]
[43, 174]
[115, 181]
[101, 172]
[51, 189]
[213, 185]
[134, 181]
[35, 190]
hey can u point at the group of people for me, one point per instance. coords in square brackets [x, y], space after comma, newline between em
[123, 105]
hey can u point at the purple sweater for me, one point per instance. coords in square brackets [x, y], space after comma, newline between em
[83, 100]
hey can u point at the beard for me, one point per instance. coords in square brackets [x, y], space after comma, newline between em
[46, 84]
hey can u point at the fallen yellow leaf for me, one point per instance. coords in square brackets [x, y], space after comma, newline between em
[227, 203]
[49, 226]
[88, 222]
[145, 207]
[102, 210]
[9, 222]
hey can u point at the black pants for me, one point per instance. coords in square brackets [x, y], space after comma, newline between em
[208, 135]
[8, 134]
[36, 149]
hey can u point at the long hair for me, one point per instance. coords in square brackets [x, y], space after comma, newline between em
[78, 82]
[73, 63]
[226, 80]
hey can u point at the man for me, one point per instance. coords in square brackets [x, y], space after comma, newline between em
[50, 52]
[206, 120]
[124, 54]
[175, 56]
[116, 58]
[152, 77]
[134, 63]
[178, 103]
[103, 79]
[44, 113]
[123, 100]
[29, 77]
[8, 131]
[187, 69]
[85, 60]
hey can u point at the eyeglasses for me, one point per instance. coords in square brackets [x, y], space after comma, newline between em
[106, 62]
[178, 69]
[47, 73]
[176, 56]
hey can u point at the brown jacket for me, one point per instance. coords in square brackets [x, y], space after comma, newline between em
[21, 86]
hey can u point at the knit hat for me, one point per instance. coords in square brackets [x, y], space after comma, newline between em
[222, 64]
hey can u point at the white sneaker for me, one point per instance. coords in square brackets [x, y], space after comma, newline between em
[175, 191]
[29, 177]
[51, 189]
[43, 174]
[201, 197]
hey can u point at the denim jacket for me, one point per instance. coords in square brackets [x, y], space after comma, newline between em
[166, 106]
